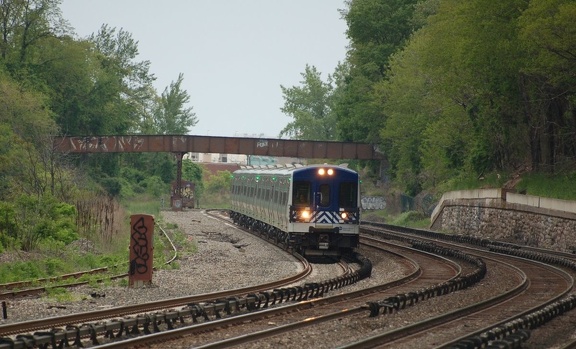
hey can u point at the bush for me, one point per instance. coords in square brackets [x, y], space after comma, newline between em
[112, 185]
[154, 186]
[8, 225]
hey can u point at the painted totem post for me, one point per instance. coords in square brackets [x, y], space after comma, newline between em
[141, 250]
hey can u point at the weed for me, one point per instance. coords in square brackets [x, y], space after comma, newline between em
[59, 294]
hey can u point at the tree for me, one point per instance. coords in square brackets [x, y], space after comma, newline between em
[27, 125]
[24, 23]
[452, 99]
[171, 116]
[310, 105]
[194, 173]
[547, 81]
[122, 89]
[376, 29]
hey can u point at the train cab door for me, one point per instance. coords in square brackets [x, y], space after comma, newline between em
[324, 203]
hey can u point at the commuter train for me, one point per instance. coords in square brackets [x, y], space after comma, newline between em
[313, 210]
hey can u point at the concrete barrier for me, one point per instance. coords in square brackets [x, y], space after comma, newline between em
[466, 195]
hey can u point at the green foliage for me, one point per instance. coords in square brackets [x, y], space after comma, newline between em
[9, 229]
[66, 260]
[217, 189]
[132, 174]
[412, 219]
[155, 187]
[42, 219]
[466, 181]
[123, 87]
[53, 83]
[376, 29]
[310, 105]
[454, 107]
[219, 183]
[142, 204]
[60, 294]
[53, 266]
[560, 186]
[547, 29]
[171, 116]
[194, 173]
[18, 271]
[112, 185]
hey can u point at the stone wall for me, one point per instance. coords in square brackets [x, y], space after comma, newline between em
[496, 218]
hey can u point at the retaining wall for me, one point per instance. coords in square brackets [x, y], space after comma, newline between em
[500, 215]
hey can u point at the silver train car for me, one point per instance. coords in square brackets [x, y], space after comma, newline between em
[314, 210]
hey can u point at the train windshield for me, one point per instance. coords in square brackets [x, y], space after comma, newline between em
[348, 194]
[324, 195]
[301, 194]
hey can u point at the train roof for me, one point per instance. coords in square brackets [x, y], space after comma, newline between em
[285, 170]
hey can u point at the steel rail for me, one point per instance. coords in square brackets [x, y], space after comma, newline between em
[442, 320]
[12, 289]
[39, 324]
[414, 273]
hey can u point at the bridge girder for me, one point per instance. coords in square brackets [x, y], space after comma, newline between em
[222, 145]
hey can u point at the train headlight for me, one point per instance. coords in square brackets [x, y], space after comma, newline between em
[323, 171]
[305, 214]
[344, 215]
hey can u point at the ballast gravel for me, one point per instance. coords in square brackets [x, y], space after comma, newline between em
[227, 258]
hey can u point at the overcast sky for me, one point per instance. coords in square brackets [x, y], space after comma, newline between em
[234, 54]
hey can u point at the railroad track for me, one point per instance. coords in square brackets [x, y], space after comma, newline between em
[25, 288]
[423, 269]
[42, 324]
[543, 294]
[530, 294]
[313, 318]
[172, 310]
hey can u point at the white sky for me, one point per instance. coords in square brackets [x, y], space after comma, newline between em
[234, 54]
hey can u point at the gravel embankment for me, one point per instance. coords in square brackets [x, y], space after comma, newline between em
[226, 258]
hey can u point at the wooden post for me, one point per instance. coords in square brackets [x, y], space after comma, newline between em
[141, 250]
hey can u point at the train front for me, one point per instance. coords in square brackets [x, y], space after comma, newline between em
[324, 214]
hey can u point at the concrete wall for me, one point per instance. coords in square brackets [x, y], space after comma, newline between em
[510, 217]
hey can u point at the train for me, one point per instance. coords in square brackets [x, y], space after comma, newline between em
[313, 210]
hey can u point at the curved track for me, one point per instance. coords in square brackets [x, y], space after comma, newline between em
[545, 285]
[422, 270]
[513, 287]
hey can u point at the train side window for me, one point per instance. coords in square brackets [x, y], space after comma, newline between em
[348, 194]
[324, 195]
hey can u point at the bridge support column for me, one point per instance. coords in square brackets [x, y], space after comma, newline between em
[176, 202]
